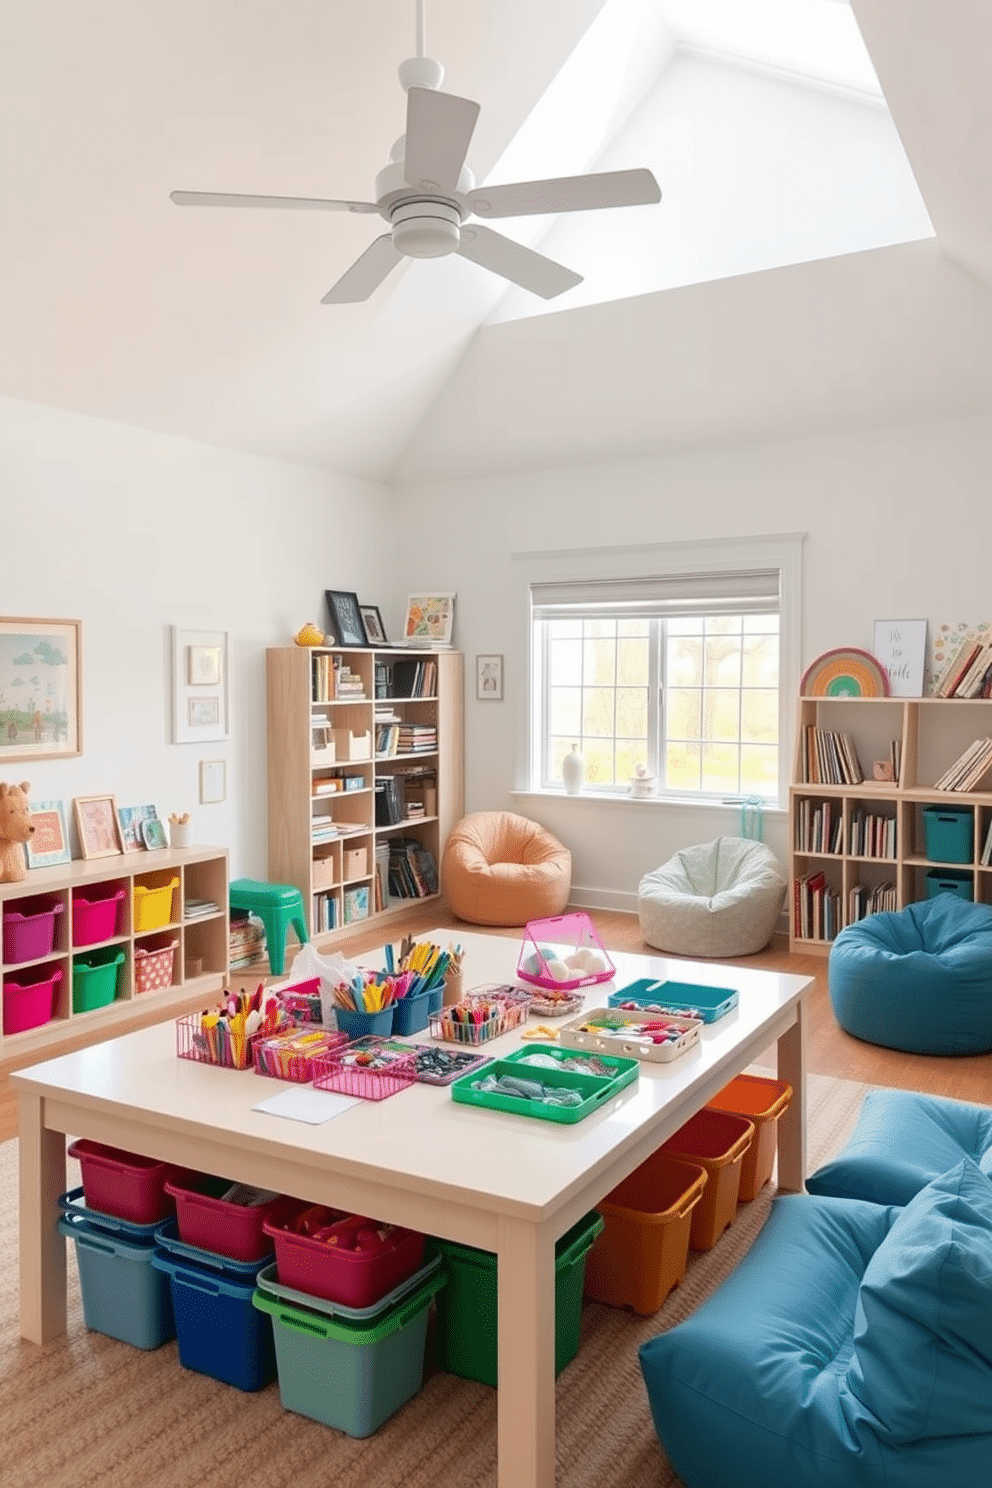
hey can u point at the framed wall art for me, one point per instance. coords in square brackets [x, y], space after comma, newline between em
[131, 820]
[346, 618]
[213, 781]
[40, 689]
[96, 823]
[50, 843]
[430, 620]
[489, 679]
[900, 647]
[201, 686]
[375, 631]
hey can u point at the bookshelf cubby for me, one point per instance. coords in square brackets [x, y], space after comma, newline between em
[365, 779]
[862, 847]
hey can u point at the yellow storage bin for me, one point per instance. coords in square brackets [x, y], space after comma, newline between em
[153, 905]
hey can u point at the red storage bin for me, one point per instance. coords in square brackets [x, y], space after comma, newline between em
[95, 919]
[208, 1220]
[29, 999]
[29, 930]
[124, 1184]
[762, 1101]
[354, 1278]
[716, 1141]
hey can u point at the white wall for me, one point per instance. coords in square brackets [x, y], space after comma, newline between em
[898, 523]
[133, 532]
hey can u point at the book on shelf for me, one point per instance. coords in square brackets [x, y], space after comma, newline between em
[956, 666]
[968, 769]
[412, 871]
[194, 908]
[969, 684]
[829, 757]
[388, 801]
[986, 859]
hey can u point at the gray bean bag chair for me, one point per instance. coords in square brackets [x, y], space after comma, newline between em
[720, 898]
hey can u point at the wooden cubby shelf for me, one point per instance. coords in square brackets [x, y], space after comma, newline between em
[857, 848]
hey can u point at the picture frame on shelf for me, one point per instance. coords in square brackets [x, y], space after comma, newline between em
[153, 833]
[40, 689]
[375, 631]
[130, 820]
[489, 678]
[213, 782]
[346, 617]
[96, 823]
[900, 648]
[50, 843]
[201, 707]
[430, 619]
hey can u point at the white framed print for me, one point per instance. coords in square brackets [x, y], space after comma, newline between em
[213, 781]
[900, 648]
[201, 686]
[489, 679]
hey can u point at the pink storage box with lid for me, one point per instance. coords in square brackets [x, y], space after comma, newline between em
[29, 998]
[95, 915]
[29, 930]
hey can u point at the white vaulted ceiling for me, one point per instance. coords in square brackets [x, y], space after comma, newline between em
[763, 120]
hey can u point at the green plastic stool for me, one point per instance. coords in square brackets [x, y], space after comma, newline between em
[278, 906]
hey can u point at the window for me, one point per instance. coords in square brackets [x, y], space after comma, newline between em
[679, 674]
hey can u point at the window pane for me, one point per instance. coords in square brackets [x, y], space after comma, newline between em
[761, 624]
[723, 661]
[630, 754]
[720, 769]
[759, 716]
[685, 662]
[683, 712]
[632, 662]
[723, 625]
[721, 715]
[633, 627]
[564, 662]
[565, 710]
[597, 711]
[760, 661]
[599, 666]
[759, 770]
[599, 762]
[682, 767]
[684, 625]
[632, 712]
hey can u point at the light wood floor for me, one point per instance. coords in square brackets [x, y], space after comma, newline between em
[829, 1051]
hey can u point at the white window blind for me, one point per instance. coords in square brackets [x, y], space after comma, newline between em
[662, 596]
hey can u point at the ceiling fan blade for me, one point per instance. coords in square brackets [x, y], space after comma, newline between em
[290, 203]
[542, 276]
[366, 273]
[439, 129]
[629, 188]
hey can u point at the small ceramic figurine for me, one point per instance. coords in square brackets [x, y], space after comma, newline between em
[309, 635]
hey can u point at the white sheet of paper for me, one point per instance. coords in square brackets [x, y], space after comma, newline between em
[306, 1104]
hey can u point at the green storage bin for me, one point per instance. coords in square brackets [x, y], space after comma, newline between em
[352, 1376]
[95, 977]
[466, 1309]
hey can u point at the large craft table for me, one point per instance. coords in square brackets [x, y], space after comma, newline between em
[510, 1184]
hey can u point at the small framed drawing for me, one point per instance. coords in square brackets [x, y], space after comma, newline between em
[153, 831]
[50, 843]
[131, 820]
[96, 823]
[430, 619]
[489, 679]
[900, 648]
[346, 617]
[213, 781]
[374, 629]
[201, 686]
[40, 689]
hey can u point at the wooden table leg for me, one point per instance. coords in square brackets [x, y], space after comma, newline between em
[42, 1248]
[526, 1318]
[792, 1122]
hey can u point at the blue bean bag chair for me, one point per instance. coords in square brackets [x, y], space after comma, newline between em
[919, 980]
[851, 1348]
[903, 1140]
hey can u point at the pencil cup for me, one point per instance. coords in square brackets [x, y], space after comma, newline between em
[452, 987]
[356, 1024]
[181, 834]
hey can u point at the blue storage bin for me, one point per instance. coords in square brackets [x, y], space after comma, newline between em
[949, 833]
[123, 1295]
[411, 1013]
[950, 881]
[218, 1330]
[687, 999]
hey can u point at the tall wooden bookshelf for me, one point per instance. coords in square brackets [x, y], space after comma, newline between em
[366, 777]
[889, 852]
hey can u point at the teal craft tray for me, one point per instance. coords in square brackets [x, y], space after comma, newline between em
[595, 1090]
[708, 1003]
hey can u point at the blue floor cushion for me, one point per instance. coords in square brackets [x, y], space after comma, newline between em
[919, 979]
[851, 1347]
[902, 1141]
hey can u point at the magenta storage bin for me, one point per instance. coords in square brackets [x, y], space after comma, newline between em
[95, 919]
[350, 1277]
[29, 999]
[213, 1223]
[123, 1184]
[29, 930]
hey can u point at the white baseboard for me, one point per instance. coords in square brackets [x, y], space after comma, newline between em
[586, 898]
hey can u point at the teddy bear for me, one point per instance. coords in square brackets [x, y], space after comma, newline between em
[16, 827]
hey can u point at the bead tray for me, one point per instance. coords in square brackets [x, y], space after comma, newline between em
[686, 999]
[578, 1035]
[433, 1066]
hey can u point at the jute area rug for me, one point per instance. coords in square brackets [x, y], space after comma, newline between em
[89, 1412]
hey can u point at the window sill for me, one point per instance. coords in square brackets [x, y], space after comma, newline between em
[620, 798]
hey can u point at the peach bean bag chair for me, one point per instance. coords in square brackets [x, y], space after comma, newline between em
[502, 869]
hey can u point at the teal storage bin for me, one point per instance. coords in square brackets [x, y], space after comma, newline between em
[218, 1330]
[123, 1295]
[352, 1376]
[950, 881]
[411, 1013]
[94, 979]
[466, 1309]
[949, 834]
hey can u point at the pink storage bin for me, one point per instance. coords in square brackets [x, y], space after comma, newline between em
[29, 999]
[95, 919]
[124, 1184]
[213, 1223]
[353, 1278]
[29, 930]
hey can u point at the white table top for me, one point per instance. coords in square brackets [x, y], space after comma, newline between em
[420, 1138]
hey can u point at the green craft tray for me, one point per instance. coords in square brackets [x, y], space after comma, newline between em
[625, 1071]
[596, 1091]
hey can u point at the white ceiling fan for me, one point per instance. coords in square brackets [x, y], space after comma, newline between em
[427, 194]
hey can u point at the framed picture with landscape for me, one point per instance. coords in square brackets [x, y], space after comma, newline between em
[40, 689]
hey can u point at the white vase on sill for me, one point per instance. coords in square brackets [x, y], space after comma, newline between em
[573, 771]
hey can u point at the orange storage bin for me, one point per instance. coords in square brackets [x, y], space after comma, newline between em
[761, 1101]
[643, 1249]
[717, 1141]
